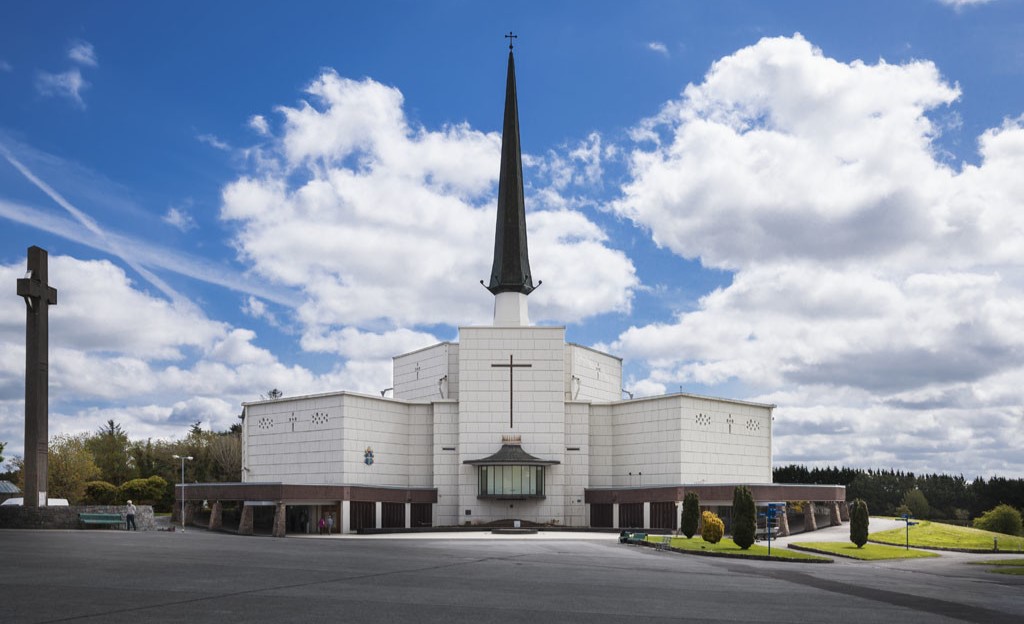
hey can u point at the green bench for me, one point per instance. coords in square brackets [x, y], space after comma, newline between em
[100, 518]
[629, 537]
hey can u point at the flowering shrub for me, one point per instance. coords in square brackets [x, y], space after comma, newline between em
[713, 529]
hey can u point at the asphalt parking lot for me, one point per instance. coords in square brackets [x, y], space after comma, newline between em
[115, 576]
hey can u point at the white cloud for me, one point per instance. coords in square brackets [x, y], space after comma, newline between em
[260, 125]
[213, 142]
[658, 47]
[5, 66]
[961, 4]
[117, 352]
[392, 222]
[866, 271]
[69, 84]
[255, 307]
[179, 218]
[83, 53]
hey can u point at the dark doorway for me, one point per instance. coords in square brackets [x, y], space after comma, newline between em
[601, 516]
[422, 515]
[392, 516]
[663, 516]
[631, 516]
[362, 515]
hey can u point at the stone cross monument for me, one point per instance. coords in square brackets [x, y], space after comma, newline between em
[39, 296]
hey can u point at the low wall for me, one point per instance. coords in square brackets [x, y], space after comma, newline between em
[17, 517]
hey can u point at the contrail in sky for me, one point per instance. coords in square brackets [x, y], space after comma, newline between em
[91, 225]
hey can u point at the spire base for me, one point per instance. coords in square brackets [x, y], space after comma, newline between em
[511, 310]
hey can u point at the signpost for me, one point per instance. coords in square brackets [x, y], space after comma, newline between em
[906, 518]
[769, 521]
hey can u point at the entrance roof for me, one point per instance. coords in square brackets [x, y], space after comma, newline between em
[511, 455]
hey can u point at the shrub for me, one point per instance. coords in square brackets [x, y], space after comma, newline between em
[744, 517]
[691, 514]
[915, 501]
[1000, 519]
[713, 529]
[100, 493]
[144, 490]
[859, 523]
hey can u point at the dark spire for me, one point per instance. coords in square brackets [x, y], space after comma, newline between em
[511, 269]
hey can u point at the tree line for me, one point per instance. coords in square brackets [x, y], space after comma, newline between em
[106, 467]
[928, 496]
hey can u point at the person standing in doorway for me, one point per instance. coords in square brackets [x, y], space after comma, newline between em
[330, 523]
[129, 518]
[321, 525]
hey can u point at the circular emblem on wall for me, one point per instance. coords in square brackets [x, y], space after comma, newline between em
[368, 456]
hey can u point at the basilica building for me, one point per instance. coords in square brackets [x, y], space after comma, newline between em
[509, 423]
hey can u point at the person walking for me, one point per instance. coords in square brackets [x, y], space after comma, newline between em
[129, 518]
[321, 525]
[330, 523]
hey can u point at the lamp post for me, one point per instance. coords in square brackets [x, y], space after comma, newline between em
[182, 458]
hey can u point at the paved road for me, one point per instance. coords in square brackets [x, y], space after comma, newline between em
[113, 576]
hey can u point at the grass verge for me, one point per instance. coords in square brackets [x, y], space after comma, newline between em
[1004, 566]
[927, 534]
[728, 548]
[870, 552]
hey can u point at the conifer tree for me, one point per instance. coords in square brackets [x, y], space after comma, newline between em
[691, 514]
[859, 523]
[744, 517]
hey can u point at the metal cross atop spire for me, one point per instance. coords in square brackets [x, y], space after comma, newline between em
[510, 37]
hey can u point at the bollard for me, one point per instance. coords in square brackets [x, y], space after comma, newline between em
[995, 544]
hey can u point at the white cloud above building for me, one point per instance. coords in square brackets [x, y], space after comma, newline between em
[864, 268]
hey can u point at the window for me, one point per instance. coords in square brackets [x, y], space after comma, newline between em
[511, 481]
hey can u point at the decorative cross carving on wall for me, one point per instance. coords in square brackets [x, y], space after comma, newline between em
[510, 366]
[417, 371]
[730, 421]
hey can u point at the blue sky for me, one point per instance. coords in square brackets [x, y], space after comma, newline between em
[809, 204]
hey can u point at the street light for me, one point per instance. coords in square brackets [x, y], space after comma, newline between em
[182, 458]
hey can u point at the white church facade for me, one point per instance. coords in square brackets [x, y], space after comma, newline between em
[509, 423]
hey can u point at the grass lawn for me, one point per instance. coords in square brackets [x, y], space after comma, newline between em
[870, 552]
[927, 534]
[728, 548]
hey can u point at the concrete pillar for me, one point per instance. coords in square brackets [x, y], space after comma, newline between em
[844, 511]
[834, 512]
[647, 515]
[783, 519]
[809, 523]
[378, 514]
[408, 515]
[346, 517]
[216, 516]
[615, 515]
[279, 519]
[190, 512]
[245, 522]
